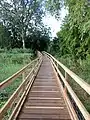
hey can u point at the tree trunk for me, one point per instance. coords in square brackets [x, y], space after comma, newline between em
[23, 41]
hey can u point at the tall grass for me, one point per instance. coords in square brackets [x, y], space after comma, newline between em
[10, 62]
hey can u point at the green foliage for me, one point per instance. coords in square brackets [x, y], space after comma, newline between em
[74, 36]
[7, 92]
[54, 7]
[39, 40]
[54, 46]
[20, 50]
[10, 62]
[75, 32]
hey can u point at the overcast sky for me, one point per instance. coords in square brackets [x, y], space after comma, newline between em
[53, 23]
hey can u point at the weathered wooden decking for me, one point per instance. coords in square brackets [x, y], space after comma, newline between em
[45, 100]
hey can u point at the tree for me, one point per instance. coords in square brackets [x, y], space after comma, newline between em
[39, 39]
[75, 31]
[54, 7]
[54, 46]
[19, 16]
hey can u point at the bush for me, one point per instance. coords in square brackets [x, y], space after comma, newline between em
[20, 50]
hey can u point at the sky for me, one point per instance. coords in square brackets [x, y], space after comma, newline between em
[53, 23]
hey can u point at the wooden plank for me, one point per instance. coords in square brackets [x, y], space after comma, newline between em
[44, 107]
[22, 99]
[44, 98]
[43, 83]
[44, 95]
[44, 91]
[39, 119]
[45, 111]
[44, 88]
[45, 104]
[41, 116]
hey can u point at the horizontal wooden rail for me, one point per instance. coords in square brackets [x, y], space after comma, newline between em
[21, 91]
[80, 81]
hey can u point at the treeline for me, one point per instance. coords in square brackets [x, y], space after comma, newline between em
[21, 24]
[74, 37]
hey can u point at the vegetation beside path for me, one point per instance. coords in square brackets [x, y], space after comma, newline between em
[82, 69]
[10, 62]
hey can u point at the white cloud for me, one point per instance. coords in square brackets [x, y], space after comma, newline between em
[52, 23]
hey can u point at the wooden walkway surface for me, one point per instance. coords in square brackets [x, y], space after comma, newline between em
[45, 100]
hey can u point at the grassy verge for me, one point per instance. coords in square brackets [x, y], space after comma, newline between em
[11, 62]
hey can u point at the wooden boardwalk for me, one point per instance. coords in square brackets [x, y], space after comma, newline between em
[45, 100]
[42, 95]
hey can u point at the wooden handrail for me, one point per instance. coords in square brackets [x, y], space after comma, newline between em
[74, 96]
[23, 87]
[80, 81]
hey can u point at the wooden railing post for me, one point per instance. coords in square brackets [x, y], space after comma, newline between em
[66, 75]
[66, 78]
[34, 73]
[23, 76]
[57, 67]
[65, 87]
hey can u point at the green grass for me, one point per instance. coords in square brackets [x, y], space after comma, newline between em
[11, 62]
[7, 92]
[8, 70]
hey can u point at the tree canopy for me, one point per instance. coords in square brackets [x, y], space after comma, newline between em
[74, 36]
[22, 18]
